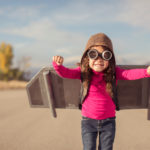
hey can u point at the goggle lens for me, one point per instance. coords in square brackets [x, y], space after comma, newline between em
[93, 54]
[107, 55]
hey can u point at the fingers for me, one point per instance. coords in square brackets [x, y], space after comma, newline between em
[148, 70]
[58, 59]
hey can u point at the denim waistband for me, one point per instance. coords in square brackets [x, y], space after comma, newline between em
[86, 118]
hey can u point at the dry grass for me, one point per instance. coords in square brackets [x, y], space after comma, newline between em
[12, 85]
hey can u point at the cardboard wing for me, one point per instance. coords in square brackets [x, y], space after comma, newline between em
[47, 90]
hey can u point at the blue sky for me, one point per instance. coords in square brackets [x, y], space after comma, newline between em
[41, 28]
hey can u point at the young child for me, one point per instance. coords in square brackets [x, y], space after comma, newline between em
[98, 73]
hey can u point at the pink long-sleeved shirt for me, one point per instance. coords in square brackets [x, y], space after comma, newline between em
[98, 104]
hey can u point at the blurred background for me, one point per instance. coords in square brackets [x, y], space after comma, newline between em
[33, 31]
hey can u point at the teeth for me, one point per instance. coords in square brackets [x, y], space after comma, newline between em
[99, 65]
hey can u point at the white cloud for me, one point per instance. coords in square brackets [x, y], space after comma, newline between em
[36, 30]
[21, 12]
[47, 40]
[84, 12]
[132, 59]
[135, 13]
[43, 30]
[73, 59]
[132, 12]
[63, 51]
[20, 45]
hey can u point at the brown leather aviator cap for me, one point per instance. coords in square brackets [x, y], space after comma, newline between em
[99, 39]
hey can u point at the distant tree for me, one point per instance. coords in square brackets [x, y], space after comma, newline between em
[6, 70]
[6, 56]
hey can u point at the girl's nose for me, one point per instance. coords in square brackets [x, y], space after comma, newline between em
[99, 58]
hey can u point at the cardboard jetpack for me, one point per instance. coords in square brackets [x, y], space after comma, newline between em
[47, 90]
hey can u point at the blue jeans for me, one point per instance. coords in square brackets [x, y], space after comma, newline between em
[91, 128]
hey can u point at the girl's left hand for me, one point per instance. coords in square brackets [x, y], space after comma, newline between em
[148, 70]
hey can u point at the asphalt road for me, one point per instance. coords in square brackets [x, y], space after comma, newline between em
[25, 128]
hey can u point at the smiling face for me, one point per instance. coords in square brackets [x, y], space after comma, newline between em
[99, 64]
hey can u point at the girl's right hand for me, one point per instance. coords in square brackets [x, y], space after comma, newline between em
[58, 60]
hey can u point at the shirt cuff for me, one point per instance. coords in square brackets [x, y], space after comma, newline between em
[56, 67]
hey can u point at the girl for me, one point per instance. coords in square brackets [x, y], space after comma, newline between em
[98, 74]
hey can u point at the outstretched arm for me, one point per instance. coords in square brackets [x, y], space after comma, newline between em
[132, 74]
[63, 71]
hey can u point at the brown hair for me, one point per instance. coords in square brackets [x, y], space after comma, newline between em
[109, 74]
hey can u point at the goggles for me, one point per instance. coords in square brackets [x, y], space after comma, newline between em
[94, 54]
